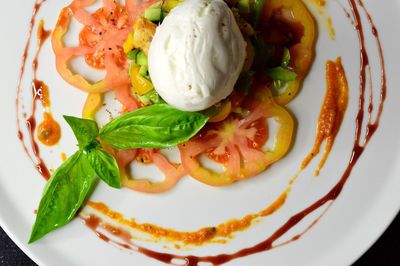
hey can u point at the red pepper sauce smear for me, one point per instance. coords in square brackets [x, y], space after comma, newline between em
[332, 112]
[49, 131]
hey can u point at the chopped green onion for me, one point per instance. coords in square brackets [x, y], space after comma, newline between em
[282, 74]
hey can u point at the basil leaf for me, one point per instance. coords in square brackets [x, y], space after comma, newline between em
[105, 166]
[282, 74]
[85, 130]
[64, 194]
[156, 126]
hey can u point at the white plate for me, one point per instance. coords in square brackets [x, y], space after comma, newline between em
[367, 205]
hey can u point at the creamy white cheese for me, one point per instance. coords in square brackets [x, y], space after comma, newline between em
[196, 55]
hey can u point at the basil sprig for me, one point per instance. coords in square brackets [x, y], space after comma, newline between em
[157, 126]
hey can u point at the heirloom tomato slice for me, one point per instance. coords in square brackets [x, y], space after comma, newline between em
[237, 142]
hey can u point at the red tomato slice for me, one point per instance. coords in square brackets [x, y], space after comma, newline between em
[100, 43]
[255, 139]
[111, 26]
[236, 142]
[172, 172]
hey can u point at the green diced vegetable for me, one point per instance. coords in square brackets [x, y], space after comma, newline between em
[155, 98]
[145, 99]
[131, 55]
[143, 71]
[285, 58]
[154, 13]
[152, 97]
[141, 59]
[282, 74]
[244, 6]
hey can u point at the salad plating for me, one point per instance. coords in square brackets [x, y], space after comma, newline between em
[232, 133]
[116, 38]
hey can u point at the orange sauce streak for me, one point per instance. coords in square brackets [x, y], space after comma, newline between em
[49, 131]
[42, 34]
[198, 237]
[332, 112]
[63, 156]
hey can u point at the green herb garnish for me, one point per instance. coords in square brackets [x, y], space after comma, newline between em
[156, 126]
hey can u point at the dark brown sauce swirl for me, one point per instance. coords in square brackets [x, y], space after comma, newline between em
[37, 89]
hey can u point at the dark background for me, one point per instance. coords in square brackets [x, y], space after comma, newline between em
[384, 252]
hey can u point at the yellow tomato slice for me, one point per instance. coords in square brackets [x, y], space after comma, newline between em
[233, 138]
[294, 12]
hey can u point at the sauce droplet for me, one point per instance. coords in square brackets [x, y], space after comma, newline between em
[49, 131]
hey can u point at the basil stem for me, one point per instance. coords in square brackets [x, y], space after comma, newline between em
[85, 130]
